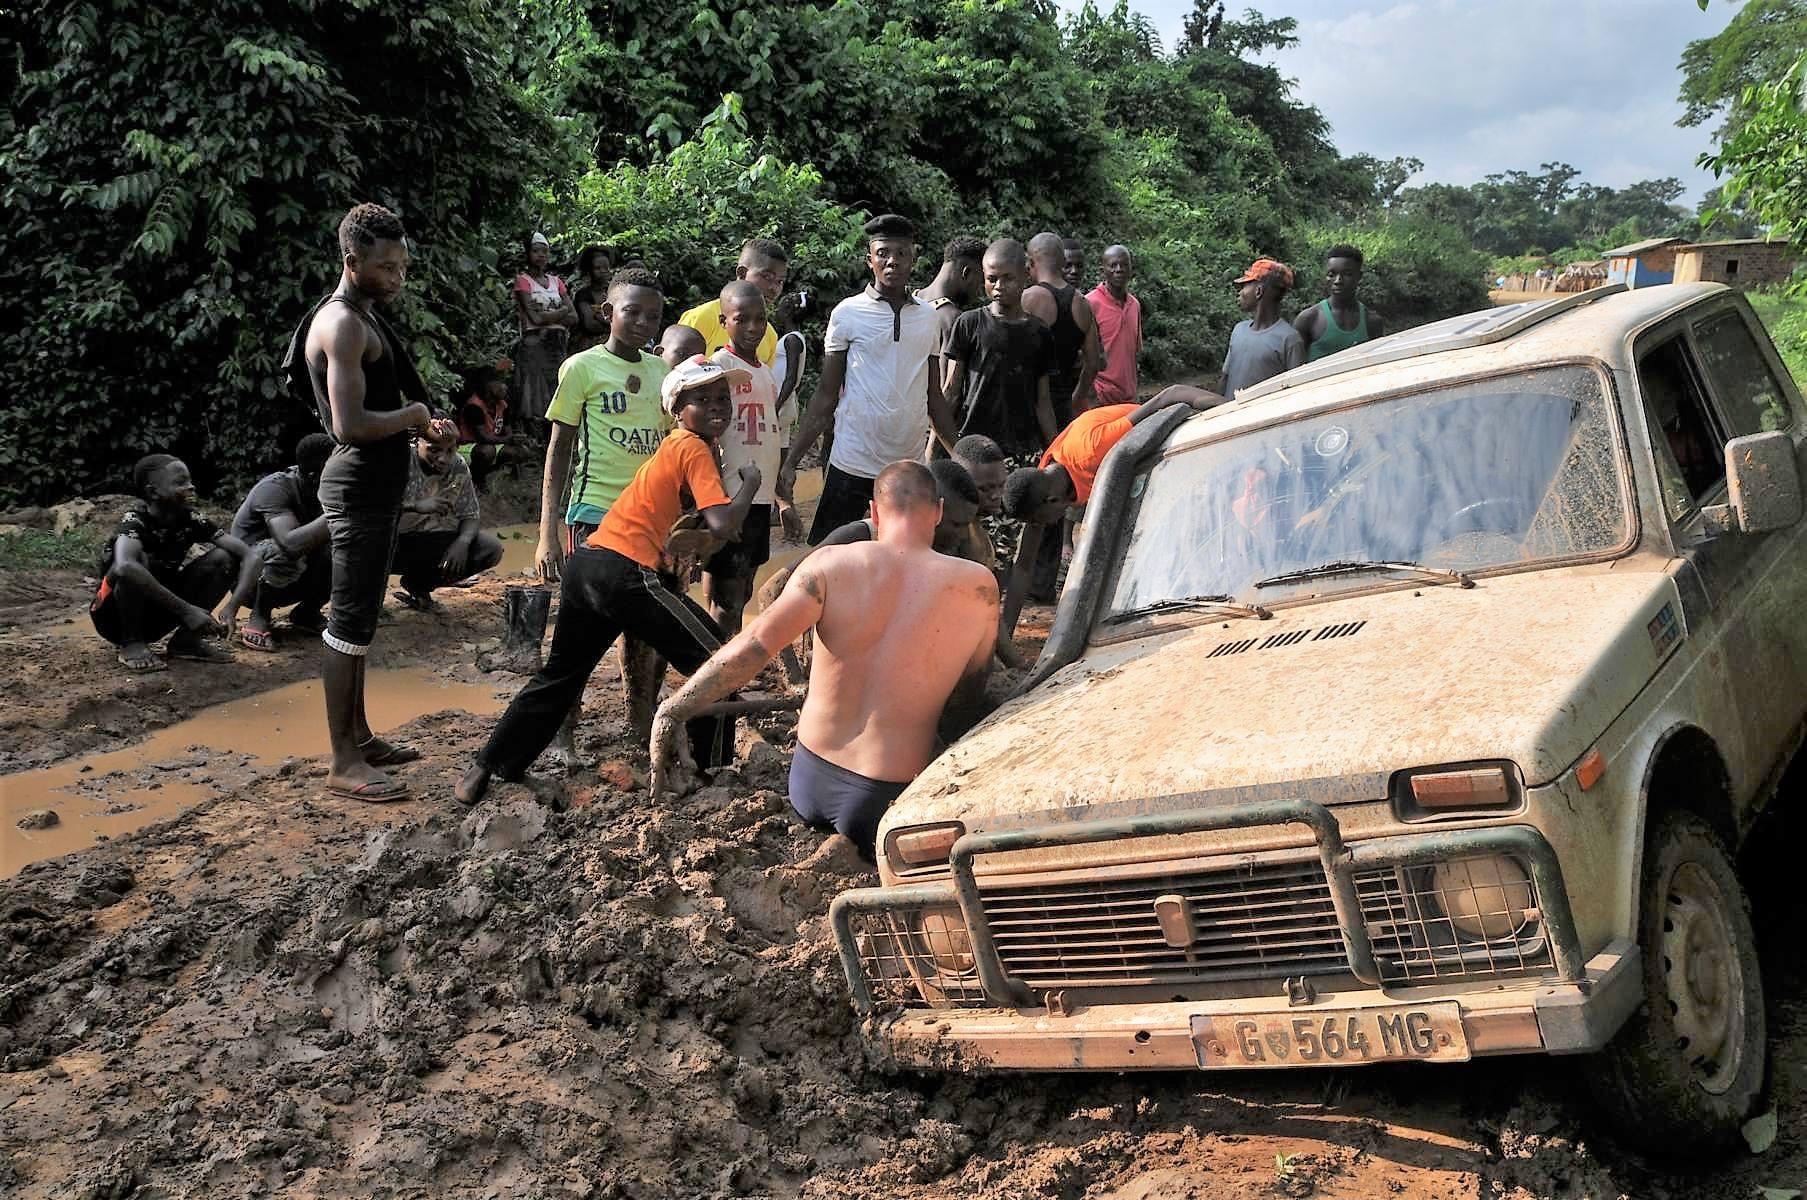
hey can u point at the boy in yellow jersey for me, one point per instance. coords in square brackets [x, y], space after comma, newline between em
[764, 264]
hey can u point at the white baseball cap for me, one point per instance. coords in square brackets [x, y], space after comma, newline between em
[693, 372]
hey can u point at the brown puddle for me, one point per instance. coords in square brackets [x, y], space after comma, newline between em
[519, 542]
[118, 791]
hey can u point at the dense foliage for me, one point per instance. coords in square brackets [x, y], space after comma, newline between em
[1752, 74]
[172, 177]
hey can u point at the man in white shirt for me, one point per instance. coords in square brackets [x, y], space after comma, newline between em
[880, 385]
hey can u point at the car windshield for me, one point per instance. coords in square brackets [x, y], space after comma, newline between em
[1496, 472]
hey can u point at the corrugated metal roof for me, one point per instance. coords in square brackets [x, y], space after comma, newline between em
[1736, 242]
[1637, 248]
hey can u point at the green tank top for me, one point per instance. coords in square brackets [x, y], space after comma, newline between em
[1335, 337]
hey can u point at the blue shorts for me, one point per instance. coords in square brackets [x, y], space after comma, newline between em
[830, 797]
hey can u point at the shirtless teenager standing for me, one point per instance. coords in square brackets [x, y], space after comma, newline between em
[370, 399]
[899, 630]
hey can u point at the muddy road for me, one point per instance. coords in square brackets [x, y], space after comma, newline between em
[570, 991]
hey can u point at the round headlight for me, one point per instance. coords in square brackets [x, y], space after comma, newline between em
[941, 934]
[1486, 898]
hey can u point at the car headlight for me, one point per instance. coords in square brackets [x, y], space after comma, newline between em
[1488, 898]
[941, 935]
[918, 846]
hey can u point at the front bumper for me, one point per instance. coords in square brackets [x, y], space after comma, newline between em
[997, 1021]
[1550, 1018]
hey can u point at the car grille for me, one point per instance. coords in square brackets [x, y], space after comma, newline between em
[1265, 921]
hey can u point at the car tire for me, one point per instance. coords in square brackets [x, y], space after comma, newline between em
[1685, 1072]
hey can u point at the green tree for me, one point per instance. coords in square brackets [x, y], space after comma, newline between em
[159, 249]
[1758, 44]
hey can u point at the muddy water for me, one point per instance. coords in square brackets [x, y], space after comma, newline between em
[119, 791]
[520, 541]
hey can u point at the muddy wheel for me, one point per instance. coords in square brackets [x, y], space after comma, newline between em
[1686, 1071]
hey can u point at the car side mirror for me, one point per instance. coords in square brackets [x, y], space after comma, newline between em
[1763, 483]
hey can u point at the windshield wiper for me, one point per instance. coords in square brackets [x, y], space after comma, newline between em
[1222, 604]
[1356, 566]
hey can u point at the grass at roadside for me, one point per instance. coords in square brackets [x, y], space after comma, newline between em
[1786, 317]
[41, 549]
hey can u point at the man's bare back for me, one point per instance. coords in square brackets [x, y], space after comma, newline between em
[900, 627]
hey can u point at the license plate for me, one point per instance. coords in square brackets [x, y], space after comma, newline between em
[1417, 1033]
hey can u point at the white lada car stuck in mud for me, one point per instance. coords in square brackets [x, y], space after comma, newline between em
[1410, 707]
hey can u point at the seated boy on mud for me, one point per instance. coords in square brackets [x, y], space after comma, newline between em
[147, 586]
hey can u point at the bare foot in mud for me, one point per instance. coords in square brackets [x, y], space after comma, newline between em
[565, 755]
[837, 856]
[472, 786]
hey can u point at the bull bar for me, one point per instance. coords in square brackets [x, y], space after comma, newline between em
[1340, 863]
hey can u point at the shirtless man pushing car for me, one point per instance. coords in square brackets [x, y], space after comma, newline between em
[900, 630]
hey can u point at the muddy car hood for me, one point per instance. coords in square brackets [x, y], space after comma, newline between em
[1326, 701]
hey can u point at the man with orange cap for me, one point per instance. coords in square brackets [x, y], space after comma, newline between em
[1262, 346]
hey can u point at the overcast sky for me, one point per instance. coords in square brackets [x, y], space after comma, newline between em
[1476, 86]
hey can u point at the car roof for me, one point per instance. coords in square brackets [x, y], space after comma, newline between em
[1591, 324]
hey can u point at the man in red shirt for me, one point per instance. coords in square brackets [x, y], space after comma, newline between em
[1119, 318]
[1040, 496]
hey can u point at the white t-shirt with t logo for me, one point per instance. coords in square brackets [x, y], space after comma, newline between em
[756, 434]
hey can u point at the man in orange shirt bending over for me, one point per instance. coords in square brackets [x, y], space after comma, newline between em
[1040, 496]
[611, 585]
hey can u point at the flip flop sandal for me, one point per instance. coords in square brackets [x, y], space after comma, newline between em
[425, 604]
[379, 753]
[257, 639]
[204, 652]
[372, 792]
[150, 664]
[314, 625]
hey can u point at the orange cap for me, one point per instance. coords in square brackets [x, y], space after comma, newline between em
[1264, 269]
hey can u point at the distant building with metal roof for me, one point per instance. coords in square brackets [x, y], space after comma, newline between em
[1643, 264]
[1739, 263]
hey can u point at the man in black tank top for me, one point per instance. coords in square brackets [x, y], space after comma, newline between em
[371, 401]
[1064, 310]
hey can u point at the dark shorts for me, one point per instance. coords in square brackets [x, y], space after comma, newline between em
[363, 545]
[844, 498]
[752, 551]
[202, 581]
[830, 797]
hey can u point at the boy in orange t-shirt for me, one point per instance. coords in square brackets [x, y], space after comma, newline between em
[611, 585]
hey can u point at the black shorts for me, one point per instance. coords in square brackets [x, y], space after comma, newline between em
[844, 498]
[363, 545]
[753, 549]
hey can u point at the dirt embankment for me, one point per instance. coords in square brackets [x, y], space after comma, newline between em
[577, 992]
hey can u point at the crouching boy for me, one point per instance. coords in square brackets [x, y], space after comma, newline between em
[611, 584]
[147, 589]
[438, 543]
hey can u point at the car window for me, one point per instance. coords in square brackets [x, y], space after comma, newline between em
[1689, 448]
[1750, 399]
[1501, 472]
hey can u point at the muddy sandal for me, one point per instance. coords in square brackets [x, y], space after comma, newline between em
[374, 791]
[257, 639]
[379, 753]
[203, 652]
[143, 664]
[425, 604]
